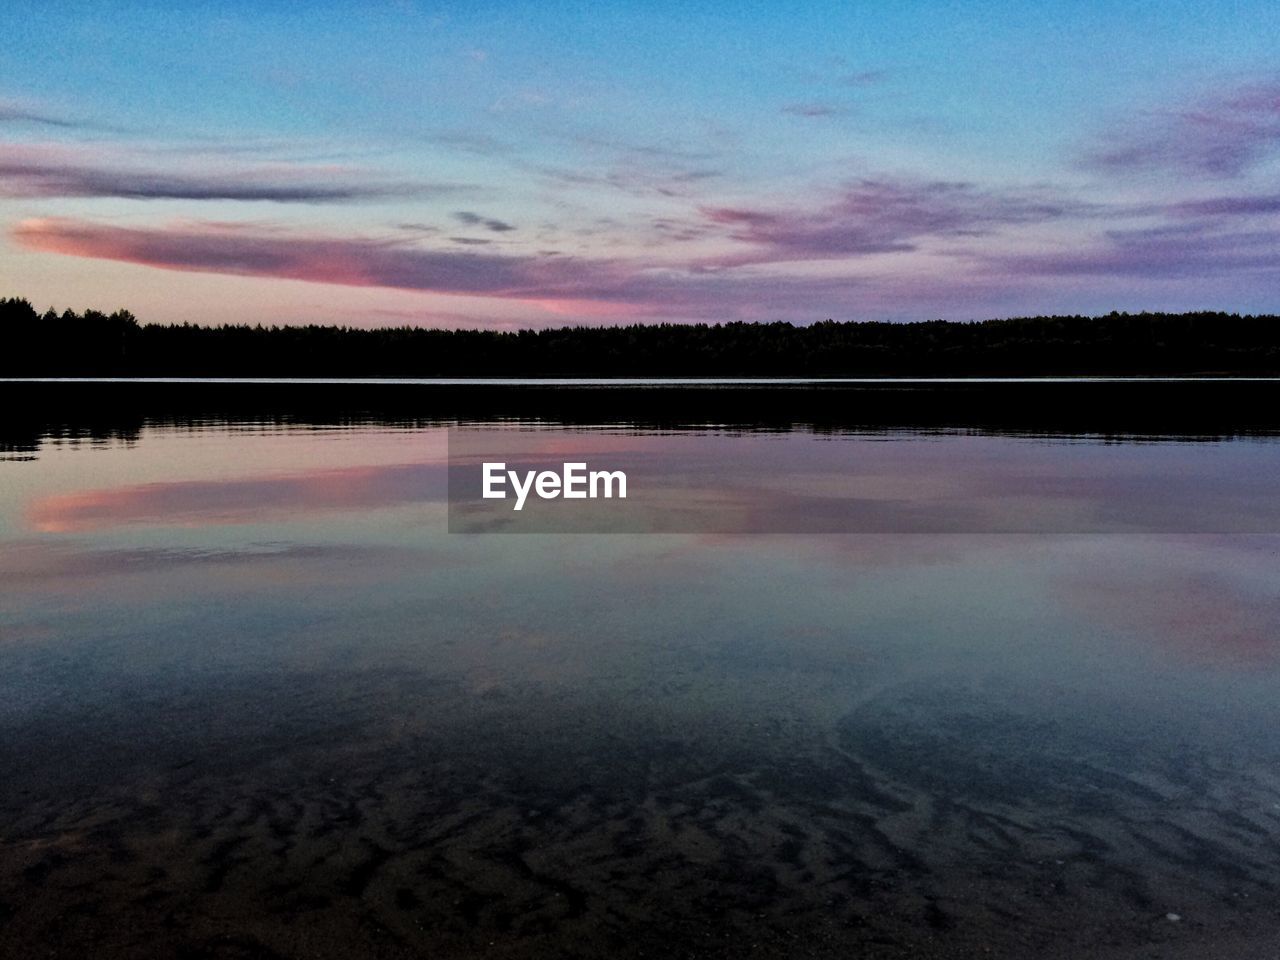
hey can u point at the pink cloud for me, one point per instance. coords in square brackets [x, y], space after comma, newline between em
[593, 288]
[359, 262]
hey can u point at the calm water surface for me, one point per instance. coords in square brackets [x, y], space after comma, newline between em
[256, 702]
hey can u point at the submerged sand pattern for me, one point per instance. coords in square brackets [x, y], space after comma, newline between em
[413, 817]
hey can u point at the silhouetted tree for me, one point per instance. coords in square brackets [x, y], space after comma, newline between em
[98, 344]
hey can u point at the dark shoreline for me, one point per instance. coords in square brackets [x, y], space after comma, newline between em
[93, 343]
[1169, 410]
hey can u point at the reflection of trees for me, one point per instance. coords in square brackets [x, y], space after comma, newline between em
[118, 411]
[22, 434]
[98, 344]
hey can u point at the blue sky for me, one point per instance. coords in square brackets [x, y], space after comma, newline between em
[505, 164]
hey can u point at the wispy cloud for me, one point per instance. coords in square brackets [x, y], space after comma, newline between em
[12, 111]
[42, 171]
[879, 216]
[1255, 205]
[665, 168]
[1169, 251]
[634, 179]
[1220, 133]
[863, 78]
[814, 111]
[476, 220]
[841, 71]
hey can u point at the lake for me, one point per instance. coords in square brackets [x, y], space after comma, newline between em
[257, 701]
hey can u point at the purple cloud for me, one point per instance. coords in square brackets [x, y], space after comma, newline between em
[1240, 206]
[1220, 134]
[879, 216]
[1163, 252]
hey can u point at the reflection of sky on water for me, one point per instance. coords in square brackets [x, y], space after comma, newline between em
[237, 501]
[210, 622]
[315, 541]
[903, 482]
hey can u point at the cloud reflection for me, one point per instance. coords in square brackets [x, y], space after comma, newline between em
[1207, 598]
[212, 502]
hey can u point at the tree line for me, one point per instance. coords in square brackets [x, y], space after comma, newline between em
[94, 343]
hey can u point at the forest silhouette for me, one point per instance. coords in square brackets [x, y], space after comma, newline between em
[98, 344]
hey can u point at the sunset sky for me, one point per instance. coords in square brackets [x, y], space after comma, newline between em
[532, 164]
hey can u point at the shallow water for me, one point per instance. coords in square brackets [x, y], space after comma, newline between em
[255, 701]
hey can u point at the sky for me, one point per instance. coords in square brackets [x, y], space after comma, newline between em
[508, 165]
